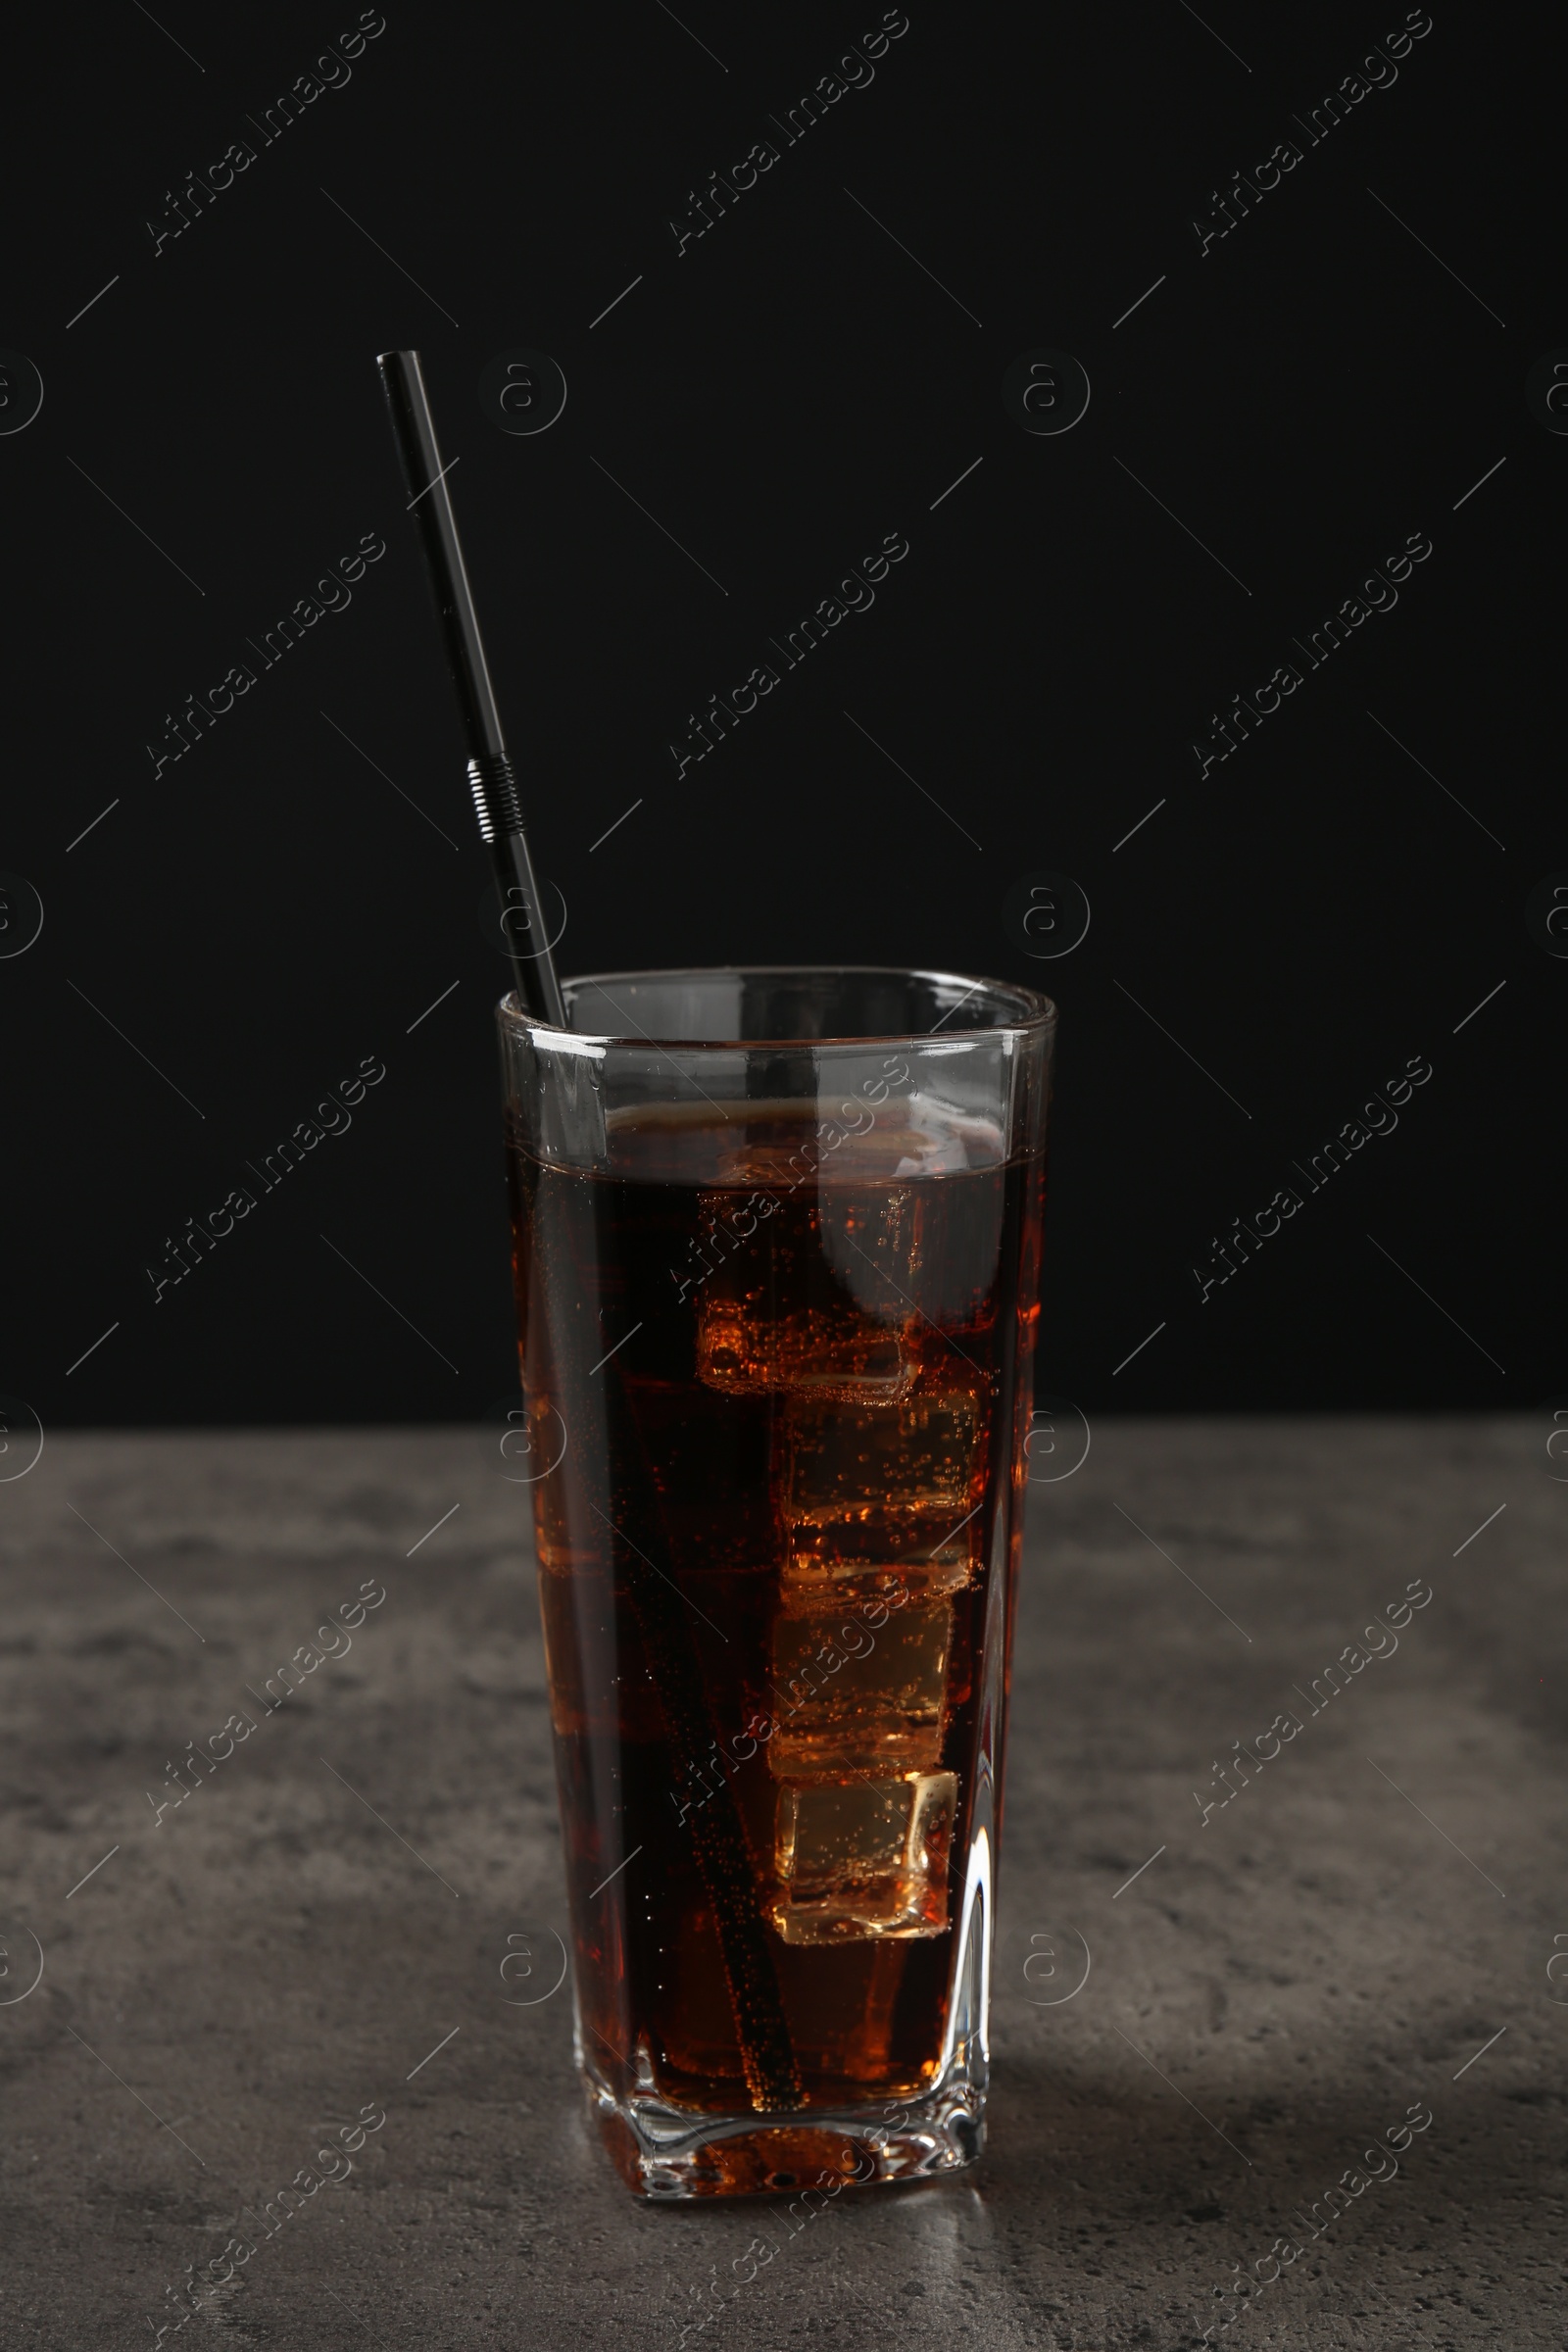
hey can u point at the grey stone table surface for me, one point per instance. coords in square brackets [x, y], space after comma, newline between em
[321, 1933]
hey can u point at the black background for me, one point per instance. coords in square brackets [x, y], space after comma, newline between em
[1305, 395]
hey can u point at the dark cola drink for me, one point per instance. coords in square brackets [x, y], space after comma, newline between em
[783, 1368]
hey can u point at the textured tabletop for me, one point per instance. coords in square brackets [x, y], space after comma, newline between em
[1316, 2045]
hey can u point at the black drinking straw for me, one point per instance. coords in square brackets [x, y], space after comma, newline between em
[719, 1835]
[490, 777]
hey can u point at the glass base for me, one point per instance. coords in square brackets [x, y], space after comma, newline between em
[663, 2151]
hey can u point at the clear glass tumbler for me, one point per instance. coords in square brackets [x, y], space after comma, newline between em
[777, 1257]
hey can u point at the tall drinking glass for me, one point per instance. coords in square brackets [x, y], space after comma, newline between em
[777, 1256]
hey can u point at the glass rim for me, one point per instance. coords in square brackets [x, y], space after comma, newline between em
[1038, 1014]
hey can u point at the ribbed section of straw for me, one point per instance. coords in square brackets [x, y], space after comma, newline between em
[495, 795]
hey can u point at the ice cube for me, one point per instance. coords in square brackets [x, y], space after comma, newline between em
[851, 1699]
[878, 1486]
[867, 1235]
[803, 1292]
[743, 1348]
[864, 1858]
